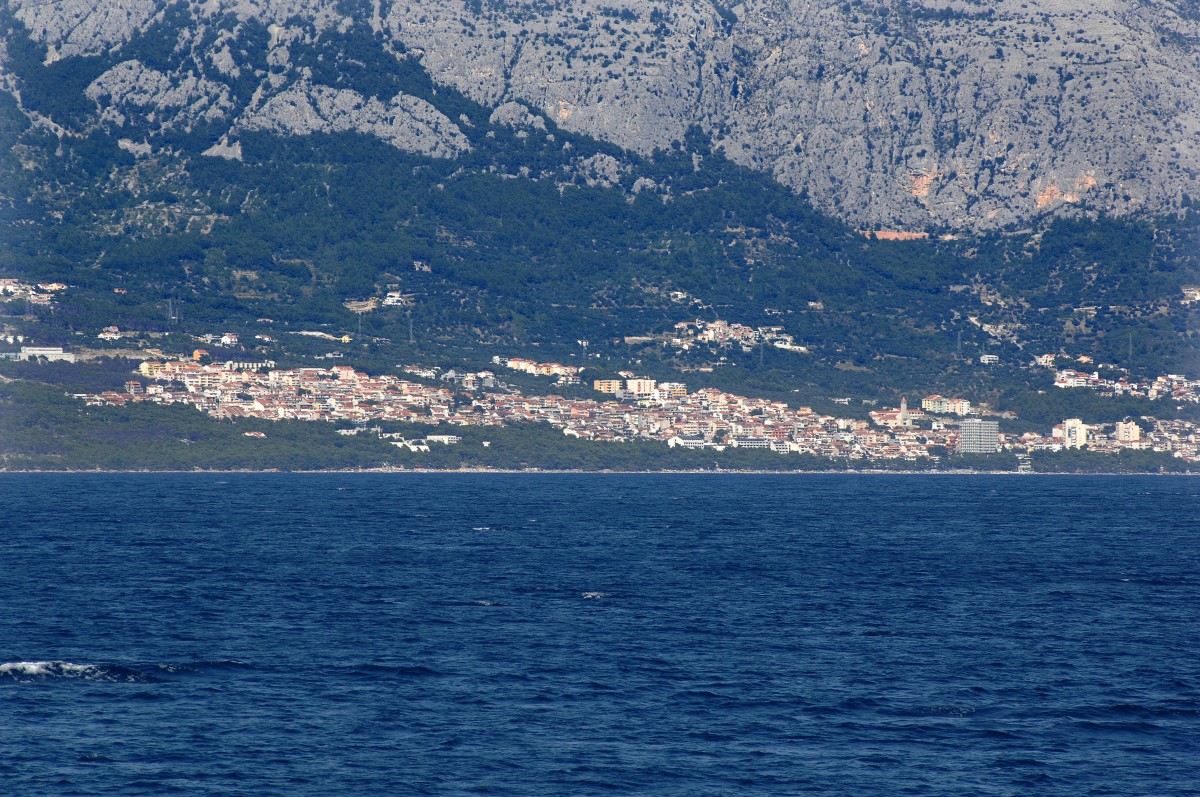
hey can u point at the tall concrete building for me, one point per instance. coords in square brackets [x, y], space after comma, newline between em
[640, 387]
[1128, 431]
[1075, 433]
[977, 436]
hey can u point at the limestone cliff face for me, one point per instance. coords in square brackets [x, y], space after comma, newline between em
[406, 122]
[84, 28]
[893, 114]
[978, 119]
[132, 89]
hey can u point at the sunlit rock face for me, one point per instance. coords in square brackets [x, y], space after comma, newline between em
[895, 116]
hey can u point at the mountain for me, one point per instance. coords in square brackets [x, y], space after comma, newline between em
[896, 115]
[193, 168]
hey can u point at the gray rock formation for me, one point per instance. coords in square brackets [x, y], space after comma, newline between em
[895, 115]
[406, 122]
[514, 114]
[72, 27]
[157, 99]
[600, 169]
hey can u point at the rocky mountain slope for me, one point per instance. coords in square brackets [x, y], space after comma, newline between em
[892, 114]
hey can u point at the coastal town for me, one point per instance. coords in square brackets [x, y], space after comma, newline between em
[640, 408]
[619, 407]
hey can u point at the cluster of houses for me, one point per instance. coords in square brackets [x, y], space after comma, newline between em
[567, 374]
[645, 410]
[723, 334]
[1177, 437]
[1173, 387]
[1180, 438]
[631, 387]
[227, 340]
[940, 405]
[255, 390]
[711, 419]
[39, 294]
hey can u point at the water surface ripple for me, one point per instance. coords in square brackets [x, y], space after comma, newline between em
[551, 634]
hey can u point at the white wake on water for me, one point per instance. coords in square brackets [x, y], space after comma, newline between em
[49, 669]
[27, 671]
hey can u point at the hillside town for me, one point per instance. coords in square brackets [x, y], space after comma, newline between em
[41, 294]
[724, 335]
[641, 409]
[1108, 379]
[1171, 387]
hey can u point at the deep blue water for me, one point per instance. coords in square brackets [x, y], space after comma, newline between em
[606, 634]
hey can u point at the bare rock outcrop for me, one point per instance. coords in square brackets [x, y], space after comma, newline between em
[406, 122]
[131, 89]
[81, 27]
[896, 115]
[514, 114]
[958, 114]
[600, 169]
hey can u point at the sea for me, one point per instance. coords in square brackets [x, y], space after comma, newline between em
[599, 634]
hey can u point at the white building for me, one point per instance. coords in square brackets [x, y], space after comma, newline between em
[1074, 433]
[1128, 432]
[640, 387]
[977, 436]
[48, 353]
